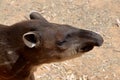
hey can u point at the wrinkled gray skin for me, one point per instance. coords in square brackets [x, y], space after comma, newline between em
[27, 44]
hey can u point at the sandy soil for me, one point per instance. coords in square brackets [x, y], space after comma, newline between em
[101, 16]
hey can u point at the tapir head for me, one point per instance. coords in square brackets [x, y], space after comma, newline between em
[56, 42]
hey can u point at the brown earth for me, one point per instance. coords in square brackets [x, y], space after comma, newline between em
[101, 16]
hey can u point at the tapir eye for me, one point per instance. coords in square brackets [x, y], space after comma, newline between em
[69, 36]
[60, 43]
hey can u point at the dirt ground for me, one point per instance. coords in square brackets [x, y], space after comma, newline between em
[101, 16]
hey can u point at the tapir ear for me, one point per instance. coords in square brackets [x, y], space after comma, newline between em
[38, 16]
[31, 39]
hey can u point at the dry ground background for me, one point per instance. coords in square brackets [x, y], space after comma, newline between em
[97, 15]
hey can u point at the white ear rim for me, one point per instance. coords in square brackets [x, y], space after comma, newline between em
[28, 43]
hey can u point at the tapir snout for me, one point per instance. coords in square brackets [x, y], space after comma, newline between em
[90, 39]
[95, 37]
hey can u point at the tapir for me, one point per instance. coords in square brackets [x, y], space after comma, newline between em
[28, 44]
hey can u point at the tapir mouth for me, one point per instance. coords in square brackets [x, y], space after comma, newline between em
[86, 47]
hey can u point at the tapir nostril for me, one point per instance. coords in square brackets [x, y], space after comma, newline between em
[98, 40]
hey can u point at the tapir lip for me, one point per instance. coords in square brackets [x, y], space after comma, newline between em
[86, 47]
